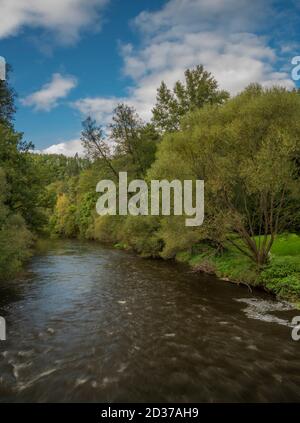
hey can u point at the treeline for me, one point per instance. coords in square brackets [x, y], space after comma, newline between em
[18, 189]
[245, 148]
[25, 178]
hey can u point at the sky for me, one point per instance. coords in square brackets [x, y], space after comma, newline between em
[74, 58]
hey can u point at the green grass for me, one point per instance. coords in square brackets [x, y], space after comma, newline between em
[281, 276]
[287, 245]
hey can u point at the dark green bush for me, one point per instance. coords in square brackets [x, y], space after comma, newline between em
[283, 279]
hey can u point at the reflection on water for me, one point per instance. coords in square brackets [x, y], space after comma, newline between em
[88, 323]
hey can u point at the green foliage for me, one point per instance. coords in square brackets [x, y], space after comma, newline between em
[141, 234]
[176, 236]
[15, 244]
[106, 229]
[282, 278]
[95, 145]
[19, 190]
[57, 167]
[86, 211]
[200, 88]
[229, 265]
[244, 150]
[22, 176]
[286, 245]
[63, 221]
[15, 238]
[7, 100]
[134, 140]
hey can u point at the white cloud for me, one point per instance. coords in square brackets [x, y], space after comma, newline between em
[178, 17]
[64, 18]
[221, 35]
[100, 108]
[47, 97]
[68, 148]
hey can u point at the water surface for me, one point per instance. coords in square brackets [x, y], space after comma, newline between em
[88, 323]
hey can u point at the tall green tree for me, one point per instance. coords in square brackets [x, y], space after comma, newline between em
[244, 151]
[133, 138]
[7, 99]
[125, 129]
[199, 88]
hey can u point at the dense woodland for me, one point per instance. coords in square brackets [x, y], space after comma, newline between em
[246, 149]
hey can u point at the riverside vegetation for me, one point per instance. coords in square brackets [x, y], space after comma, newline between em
[245, 148]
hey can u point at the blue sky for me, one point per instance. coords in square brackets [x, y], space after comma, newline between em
[73, 58]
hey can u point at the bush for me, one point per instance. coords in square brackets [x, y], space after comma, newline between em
[15, 243]
[105, 229]
[282, 278]
[141, 234]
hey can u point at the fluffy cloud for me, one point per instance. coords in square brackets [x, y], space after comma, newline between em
[99, 107]
[47, 97]
[68, 148]
[179, 17]
[221, 35]
[64, 18]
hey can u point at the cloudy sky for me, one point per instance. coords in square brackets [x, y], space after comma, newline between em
[73, 58]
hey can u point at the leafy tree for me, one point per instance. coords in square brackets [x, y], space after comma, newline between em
[15, 238]
[93, 141]
[57, 167]
[134, 140]
[63, 221]
[200, 88]
[7, 100]
[22, 177]
[244, 151]
[149, 139]
[125, 132]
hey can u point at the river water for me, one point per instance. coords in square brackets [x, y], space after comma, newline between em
[87, 323]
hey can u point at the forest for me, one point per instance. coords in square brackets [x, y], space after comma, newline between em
[246, 148]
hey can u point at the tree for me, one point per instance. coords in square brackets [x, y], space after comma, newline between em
[125, 132]
[22, 177]
[135, 140]
[15, 238]
[95, 146]
[7, 100]
[57, 167]
[245, 153]
[63, 221]
[200, 88]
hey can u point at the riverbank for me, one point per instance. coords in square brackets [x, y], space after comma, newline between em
[281, 277]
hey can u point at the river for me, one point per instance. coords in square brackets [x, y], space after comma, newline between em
[87, 323]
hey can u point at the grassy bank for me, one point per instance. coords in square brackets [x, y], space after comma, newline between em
[280, 277]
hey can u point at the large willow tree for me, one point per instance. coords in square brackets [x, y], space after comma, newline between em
[246, 152]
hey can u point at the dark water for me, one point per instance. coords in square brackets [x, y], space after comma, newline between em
[93, 324]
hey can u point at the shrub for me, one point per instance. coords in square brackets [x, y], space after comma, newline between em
[282, 278]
